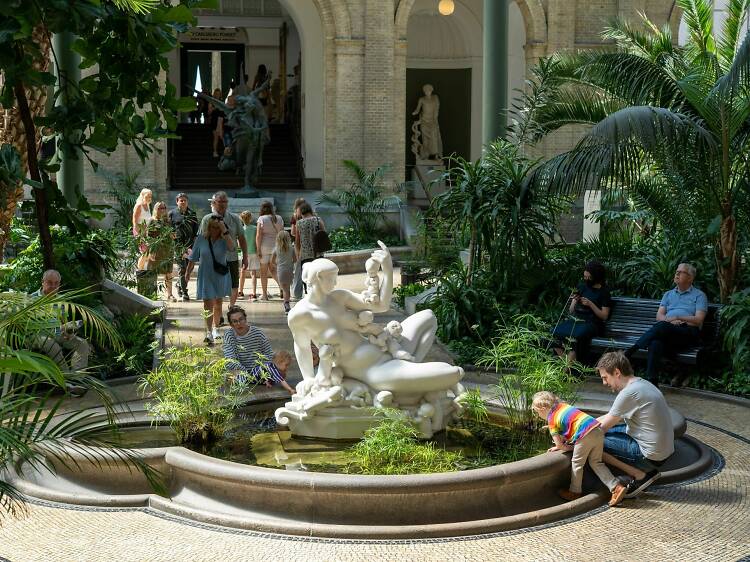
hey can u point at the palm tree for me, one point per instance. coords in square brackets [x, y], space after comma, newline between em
[32, 427]
[669, 122]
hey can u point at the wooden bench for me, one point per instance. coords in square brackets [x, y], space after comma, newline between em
[629, 318]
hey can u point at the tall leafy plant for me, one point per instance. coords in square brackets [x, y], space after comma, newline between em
[365, 201]
[526, 366]
[658, 110]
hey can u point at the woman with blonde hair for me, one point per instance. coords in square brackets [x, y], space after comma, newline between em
[141, 218]
[214, 280]
[282, 260]
[269, 226]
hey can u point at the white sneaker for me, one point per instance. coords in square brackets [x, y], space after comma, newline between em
[215, 334]
[209, 339]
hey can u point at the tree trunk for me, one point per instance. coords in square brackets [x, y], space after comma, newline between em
[40, 195]
[727, 264]
[13, 132]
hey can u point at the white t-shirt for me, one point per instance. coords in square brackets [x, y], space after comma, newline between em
[268, 239]
[647, 418]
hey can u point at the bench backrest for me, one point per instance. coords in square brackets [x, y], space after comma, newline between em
[630, 316]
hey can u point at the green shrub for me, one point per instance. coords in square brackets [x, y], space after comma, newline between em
[137, 335]
[411, 290]
[393, 447]
[348, 238]
[190, 389]
[82, 259]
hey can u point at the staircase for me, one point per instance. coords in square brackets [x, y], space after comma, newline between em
[193, 168]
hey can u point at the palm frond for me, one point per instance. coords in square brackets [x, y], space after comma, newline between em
[136, 6]
[737, 79]
[652, 44]
[698, 15]
[574, 106]
[731, 36]
[627, 76]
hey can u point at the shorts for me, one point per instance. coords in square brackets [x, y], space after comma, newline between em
[253, 263]
[266, 257]
[234, 271]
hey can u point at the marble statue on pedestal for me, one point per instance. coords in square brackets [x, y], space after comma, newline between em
[364, 365]
[427, 144]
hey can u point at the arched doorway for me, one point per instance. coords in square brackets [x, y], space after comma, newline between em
[287, 37]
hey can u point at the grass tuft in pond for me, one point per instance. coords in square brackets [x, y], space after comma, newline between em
[393, 447]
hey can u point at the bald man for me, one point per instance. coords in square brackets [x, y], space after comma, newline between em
[61, 338]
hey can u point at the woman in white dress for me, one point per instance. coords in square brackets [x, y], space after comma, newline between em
[141, 218]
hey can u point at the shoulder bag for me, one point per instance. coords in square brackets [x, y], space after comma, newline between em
[219, 268]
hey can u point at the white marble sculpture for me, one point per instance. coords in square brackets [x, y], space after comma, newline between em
[364, 365]
[427, 143]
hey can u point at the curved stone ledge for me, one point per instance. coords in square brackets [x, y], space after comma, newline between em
[504, 497]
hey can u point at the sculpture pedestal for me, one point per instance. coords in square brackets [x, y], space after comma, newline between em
[239, 203]
[326, 413]
[426, 175]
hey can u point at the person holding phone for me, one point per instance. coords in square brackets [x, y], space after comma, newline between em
[589, 308]
[211, 248]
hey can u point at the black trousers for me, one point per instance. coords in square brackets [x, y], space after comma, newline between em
[665, 337]
[182, 288]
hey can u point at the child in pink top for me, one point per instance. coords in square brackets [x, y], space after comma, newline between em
[574, 430]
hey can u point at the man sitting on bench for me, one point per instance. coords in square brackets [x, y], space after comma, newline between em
[61, 337]
[678, 322]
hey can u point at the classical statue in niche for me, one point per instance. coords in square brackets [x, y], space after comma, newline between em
[250, 133]
[427, 142]
[357, 371]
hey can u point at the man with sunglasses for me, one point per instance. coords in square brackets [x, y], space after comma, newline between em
[678, 321]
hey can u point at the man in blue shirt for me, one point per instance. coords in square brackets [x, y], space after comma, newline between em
[678, 321]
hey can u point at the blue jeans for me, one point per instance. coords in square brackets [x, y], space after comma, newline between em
[621, 445]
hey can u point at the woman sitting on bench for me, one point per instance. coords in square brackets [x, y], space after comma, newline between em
[589, 309]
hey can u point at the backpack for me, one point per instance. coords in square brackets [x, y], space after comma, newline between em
[321, 241]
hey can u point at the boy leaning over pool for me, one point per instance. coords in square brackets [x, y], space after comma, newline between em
[574, 430]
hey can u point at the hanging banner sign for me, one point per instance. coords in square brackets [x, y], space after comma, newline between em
[212, 35]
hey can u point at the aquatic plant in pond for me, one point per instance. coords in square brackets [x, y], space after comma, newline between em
[526, 365]
[193, 392]
[393, 447]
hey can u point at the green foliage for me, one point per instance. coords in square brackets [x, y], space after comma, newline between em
[735, 324]
[364, 202]
[474, 406]
[108, 106]
[526, 366]
[402, 291]
[138, 345]
[466, 310]
[507, 219]
[670, 129]
[393, 447]
[82, 259]
[190, 389]
[30, 405]
[348, 238]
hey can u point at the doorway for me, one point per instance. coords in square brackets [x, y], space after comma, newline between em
[207, 66]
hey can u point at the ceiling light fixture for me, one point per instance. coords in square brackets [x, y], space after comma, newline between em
[446, 7]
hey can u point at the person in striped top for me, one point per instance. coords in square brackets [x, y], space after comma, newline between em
[248, 350]
[574, 430]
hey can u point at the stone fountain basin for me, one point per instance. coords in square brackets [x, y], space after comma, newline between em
[209, 490]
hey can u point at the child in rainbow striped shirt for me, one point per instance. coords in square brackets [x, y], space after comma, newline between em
[574, 430]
